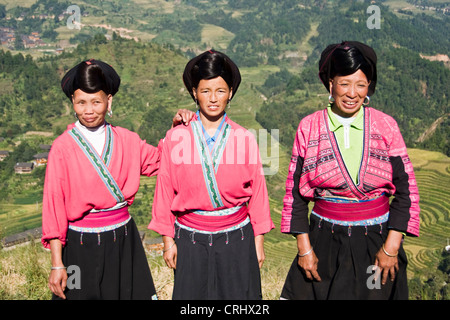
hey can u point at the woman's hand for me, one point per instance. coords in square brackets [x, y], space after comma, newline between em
[309, 264]
[183, 116]
[259, 244]
[307, 259]
[57, 280]
[386, 258]
[170, 252]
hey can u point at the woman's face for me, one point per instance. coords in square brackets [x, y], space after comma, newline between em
[91, 108]
[212, 96]
[349, 93]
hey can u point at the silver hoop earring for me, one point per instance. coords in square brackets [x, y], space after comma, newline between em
[366, 101]
[110, 113]
[229, 103]
[330, 99]
[196, 104]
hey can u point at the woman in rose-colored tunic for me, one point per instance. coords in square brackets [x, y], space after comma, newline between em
[349, 159]
[211, 203]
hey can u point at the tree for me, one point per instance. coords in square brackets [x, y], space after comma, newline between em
[444, 265]
[2, 11]
[156, 121]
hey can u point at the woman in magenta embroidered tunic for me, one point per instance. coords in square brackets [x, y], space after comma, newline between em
[211, 203]
[92, 177]
[350, 160]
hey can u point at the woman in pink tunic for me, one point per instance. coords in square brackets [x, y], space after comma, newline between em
[92, 177]
[211, 203]
[349, 159]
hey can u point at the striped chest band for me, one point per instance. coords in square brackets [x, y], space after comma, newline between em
[100, 163]
[210, 160]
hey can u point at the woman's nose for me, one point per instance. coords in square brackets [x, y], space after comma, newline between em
[89, 108]
[352, 92]
[213, 97]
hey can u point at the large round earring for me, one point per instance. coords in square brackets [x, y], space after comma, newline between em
[110, 113]
[330, 99]
[366, 101]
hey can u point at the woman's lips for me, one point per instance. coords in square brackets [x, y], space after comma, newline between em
[350, 104]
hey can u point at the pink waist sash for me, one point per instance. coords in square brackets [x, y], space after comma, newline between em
[213, 223]
[352, 211]
[102, 218]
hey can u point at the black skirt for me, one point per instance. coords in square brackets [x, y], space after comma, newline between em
[346, 256]
[220, 266]
[110, 265]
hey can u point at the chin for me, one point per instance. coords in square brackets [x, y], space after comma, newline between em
[92, 124]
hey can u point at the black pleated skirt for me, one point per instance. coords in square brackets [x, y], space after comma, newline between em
[220, 266]
[345, 259]
[110, 265]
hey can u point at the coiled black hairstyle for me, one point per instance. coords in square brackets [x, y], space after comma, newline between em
[345, 62]
[90, 79]
[209, 65]
[91, 76]
[343, 59]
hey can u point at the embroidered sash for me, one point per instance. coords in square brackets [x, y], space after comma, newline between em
[210, 160]
[216, 221]
[100, 163]
[352, 211]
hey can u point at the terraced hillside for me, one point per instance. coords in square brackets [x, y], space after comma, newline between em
[433, 178]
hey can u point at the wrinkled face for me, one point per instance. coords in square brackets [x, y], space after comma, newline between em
[212, 96]
[349, 93]
[91, 108]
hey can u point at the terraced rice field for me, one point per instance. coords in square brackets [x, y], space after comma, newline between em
[434, 189]
[18, 218]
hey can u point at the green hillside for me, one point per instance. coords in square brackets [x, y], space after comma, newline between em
[283, 39]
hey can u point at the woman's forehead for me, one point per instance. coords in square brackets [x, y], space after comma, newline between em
[86, 95]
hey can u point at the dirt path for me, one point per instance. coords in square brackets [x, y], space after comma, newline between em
[429, 132]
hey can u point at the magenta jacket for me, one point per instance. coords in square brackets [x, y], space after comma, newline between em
[318, 170]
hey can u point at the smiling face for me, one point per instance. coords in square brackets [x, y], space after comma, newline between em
[349, 93]
[212, 96]
[91, 108]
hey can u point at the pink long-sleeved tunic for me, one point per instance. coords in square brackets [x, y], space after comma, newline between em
[191, 178]
[317, 170]
[78, 179]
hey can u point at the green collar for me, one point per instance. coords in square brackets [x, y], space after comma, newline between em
[358, 123]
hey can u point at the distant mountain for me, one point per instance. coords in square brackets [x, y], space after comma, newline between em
[283, 38]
